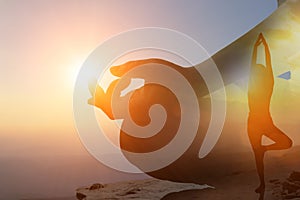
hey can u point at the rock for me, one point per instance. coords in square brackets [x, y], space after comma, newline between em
[137, 189]
[131, 191]
[274, 181]
[291, 196]
[96, 186]
[294, 176]
[80, 196]
[290, 187]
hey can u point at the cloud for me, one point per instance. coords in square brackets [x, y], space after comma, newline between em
[279, 34]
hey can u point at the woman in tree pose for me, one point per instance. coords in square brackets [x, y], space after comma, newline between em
[260, 122]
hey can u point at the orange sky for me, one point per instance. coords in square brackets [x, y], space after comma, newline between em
[44, 43]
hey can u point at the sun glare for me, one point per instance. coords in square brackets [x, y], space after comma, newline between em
[73, 70]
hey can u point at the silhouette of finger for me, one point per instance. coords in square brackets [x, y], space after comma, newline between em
[97, 95]
[120, 70]
[259, 40]
[264, 41]
[91, 101]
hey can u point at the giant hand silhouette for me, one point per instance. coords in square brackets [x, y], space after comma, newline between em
[140, 101]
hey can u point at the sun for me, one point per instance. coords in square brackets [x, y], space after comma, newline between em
[73, 69]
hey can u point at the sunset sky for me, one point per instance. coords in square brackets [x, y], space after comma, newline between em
[44, 43]
[282, 31]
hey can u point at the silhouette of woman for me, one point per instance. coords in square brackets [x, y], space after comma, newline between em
[260, 122]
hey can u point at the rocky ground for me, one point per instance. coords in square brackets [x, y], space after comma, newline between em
[142, 189]
[288, 188]
[277, 189]
[282, 176]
